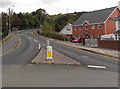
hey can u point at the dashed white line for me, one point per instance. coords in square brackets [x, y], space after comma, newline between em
[84, 56]
[98, 67]
[19, 34]
[30, 37]
[39, 46]
[35, 40]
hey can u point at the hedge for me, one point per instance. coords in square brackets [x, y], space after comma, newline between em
[53, 35]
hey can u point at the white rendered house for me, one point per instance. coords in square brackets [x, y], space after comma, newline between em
[67, 30]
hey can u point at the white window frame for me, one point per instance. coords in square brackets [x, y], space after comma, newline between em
[99, 26]
[93, 36]
[80, 36]
[86, 26]
[68, 29]
[99, 36]
[93, 26]
[75, 28]
[76, 36]
[118, 37]
[80, 28]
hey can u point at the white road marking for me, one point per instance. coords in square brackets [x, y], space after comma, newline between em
[38, 41]
[99, 67]
[27, 32]
[35, 40]
[84, 56]
[39, 46]
[30, 37]
[19, 34]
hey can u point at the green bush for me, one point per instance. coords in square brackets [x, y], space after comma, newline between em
[54, 35]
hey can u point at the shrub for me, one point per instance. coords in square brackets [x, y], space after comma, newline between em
[54, 35]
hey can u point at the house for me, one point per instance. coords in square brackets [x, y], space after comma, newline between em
[96, 23]
[67, 30]
[116, 35]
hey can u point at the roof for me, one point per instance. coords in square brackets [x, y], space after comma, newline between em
[117, 32]
[116, 19]
[65, 31]
[98, 16]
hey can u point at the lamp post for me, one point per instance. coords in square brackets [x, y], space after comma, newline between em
[41, 19]
[10, 11]
[9, 20]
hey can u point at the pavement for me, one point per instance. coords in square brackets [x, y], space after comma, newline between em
[10, 44]
[101, 51]
[58, 58]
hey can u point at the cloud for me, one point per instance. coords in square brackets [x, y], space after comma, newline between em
[50, 1]
[5, 3]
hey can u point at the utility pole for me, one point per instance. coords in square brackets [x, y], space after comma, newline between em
[10, 11]
[9, 20]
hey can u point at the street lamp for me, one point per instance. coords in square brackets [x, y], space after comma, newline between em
[42, 13]
[10, 11]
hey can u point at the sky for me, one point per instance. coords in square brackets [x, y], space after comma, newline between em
[56, 6]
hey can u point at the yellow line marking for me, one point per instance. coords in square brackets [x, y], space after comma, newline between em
[12, 49]
[90, 52]
[4, 39]
[85, 51]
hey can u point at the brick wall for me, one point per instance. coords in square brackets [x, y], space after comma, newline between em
[111, 44]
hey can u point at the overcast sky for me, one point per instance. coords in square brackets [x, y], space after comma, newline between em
[56, 6]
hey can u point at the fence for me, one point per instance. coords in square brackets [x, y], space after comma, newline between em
[91, 42]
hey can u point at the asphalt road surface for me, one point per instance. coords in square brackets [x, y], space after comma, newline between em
[18, 72]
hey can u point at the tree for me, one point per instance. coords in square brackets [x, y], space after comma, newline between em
[46, 26]
[36, 22]
[4, 22]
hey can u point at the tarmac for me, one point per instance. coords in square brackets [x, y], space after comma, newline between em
[58, 58]
[115, 54]
[11, 43]
[102, 51]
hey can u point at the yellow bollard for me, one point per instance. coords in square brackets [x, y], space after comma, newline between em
[49, 53]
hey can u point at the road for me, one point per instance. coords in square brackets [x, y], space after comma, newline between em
[18, 72]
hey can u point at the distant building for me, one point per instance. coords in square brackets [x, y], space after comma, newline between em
[96, 23]
[67, 30]
[116, 35]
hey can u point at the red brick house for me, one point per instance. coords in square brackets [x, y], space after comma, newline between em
[96, 23]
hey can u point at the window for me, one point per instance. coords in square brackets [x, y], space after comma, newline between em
[81, 36]
[76, 36]
[93, 26]
[68, 29]
[80, 27]
[99, 36]
[86, 36]
[118, 37]
[99, 26]
[86, 26]
[93, 36]
[115, 37]
[75, 28]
